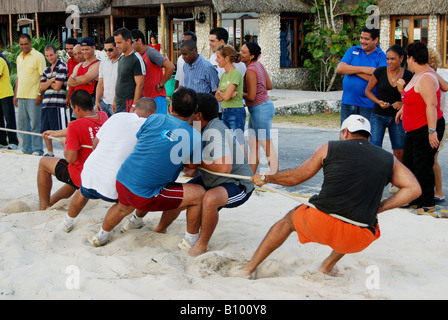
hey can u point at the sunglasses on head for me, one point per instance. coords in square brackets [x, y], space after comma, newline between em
[109, 50]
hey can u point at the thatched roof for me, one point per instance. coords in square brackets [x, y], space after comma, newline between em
[274, 6]
[412, 7]
[89, 6]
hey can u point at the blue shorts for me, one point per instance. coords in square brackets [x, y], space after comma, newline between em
[53, 119]
[260, 120]
[379, 124]
[235, 119]
[94, 195]
[236, 193]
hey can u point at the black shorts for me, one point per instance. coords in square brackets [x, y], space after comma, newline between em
[62, 174]
[53, 119]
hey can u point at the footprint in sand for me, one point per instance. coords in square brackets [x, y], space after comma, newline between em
[214, 264]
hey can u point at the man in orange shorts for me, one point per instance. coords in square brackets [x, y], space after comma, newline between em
[343, 215]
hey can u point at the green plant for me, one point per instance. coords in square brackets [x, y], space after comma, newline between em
[326, 43]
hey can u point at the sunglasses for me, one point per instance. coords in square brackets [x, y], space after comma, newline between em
[109, 50]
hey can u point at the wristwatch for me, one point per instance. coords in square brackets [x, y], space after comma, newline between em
[159, 86]
[263, 178]
[432, 130]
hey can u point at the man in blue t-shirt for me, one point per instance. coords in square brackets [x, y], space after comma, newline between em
[145, 181]
[357, 66]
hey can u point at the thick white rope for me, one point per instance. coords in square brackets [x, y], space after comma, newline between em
[40, 135]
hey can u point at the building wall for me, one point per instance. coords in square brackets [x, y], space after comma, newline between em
[202, 30]
[269, 41]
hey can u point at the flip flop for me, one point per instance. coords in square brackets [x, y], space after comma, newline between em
[438, 200]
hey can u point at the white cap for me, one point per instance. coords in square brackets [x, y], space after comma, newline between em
[355, 123]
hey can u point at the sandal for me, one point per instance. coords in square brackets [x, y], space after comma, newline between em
[429, 211]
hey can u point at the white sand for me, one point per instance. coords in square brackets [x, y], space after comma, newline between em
[40, 261]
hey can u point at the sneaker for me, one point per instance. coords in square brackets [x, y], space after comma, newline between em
[48, 155]
[12, 146]
[184, 244]
[36, 153]
[131, 224]
[96, 242]
[3, 146]
[68, 226]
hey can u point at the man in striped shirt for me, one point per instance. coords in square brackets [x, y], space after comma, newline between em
[53, 86]
[199, 74]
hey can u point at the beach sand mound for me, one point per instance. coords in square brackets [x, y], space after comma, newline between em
[38, 260]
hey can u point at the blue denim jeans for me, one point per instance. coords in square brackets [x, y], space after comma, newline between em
[348, 110]
[379, 124]
[235, 119]
[29, 120]
[106, 108]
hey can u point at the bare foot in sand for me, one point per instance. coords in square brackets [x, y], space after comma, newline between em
[240, 272]
[197, 250]
[331, 272]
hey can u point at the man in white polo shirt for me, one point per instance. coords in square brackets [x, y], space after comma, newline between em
[107, 78]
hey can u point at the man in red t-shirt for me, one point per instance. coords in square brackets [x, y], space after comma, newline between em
[158, 71]
[70, 45]
[78, 141]
[71, 62]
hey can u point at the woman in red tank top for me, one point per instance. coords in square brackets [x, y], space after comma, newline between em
[423, 122]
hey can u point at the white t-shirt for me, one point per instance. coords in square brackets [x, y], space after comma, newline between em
[117, 140]
[180, 70]
[108, 72]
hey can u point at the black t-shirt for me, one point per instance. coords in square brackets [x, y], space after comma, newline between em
[128, 67]
[387, 93]
[355, 174]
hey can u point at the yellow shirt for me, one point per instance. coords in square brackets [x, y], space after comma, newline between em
[5, 84]
[29, 71]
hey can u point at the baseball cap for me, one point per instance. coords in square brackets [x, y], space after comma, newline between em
[355, 123]
[87, 41]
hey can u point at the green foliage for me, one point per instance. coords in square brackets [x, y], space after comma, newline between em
[327, 44]
[37, 43]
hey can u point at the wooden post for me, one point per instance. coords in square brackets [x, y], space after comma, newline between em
[111, 25]
[36, 18]
[218, 19]
[162, 22]
[11, 40]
